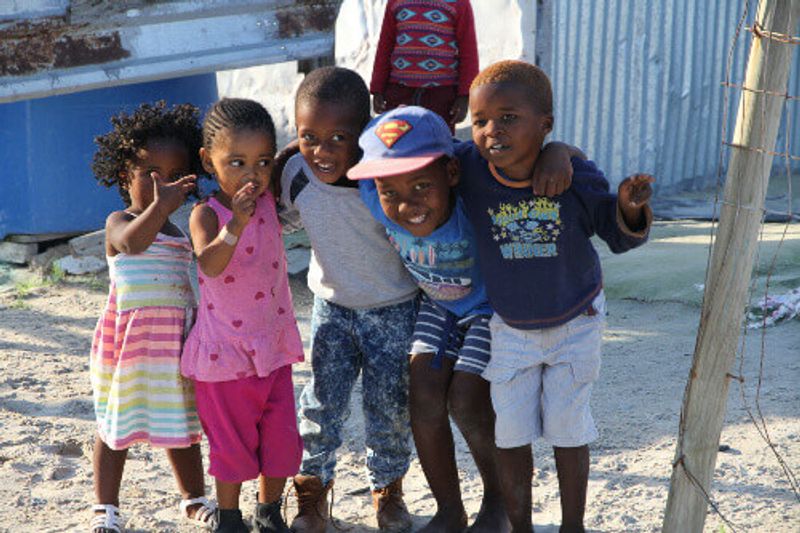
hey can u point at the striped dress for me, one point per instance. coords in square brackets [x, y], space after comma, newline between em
[139, 394]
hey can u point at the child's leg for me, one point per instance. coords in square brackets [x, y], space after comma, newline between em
[280, 446]
[516, 475]
[471, 407]
[270, 489]
[433, 437]
[187, 466]
[108, 466]
[516, 393]
[383, 334]
[397, 95]
[229, 412]
[324, 402]
[228, 494]
[572, 465]
[568, 425]
[440, 100]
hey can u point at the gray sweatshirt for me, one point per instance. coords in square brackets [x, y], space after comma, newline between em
[352, 262]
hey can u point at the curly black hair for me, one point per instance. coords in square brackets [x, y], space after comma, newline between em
[131, 133]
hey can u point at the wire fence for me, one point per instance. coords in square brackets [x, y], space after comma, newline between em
[752, 407]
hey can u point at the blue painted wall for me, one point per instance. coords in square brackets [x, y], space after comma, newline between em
[46, 148]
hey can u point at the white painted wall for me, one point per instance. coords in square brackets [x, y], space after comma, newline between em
[505, 30]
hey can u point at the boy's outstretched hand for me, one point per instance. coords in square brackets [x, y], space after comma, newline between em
[633, 195]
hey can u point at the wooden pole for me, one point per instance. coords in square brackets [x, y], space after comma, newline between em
[728, 278]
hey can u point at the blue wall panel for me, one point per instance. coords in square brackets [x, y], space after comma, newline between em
[46, 146]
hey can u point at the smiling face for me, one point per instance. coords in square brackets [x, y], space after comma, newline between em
[239, 157]
[419, 201]
[507, 127]
[328, 135]
[168, 157]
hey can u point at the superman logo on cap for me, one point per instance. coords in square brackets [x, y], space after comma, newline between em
[391, 131]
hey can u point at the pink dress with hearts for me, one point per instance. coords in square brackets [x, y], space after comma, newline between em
[245, 321]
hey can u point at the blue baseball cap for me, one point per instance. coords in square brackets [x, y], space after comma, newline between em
[402, 140]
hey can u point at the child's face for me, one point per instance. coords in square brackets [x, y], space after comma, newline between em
[168, 157]
[419, 201]
[507, 128]
[240, 157]
[328, 137]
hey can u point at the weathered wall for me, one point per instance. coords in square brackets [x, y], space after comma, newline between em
[637, 85]
[505, 29]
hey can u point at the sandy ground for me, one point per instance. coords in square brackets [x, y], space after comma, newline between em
[46, 425]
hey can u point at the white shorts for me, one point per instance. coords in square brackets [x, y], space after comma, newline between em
[541, 380]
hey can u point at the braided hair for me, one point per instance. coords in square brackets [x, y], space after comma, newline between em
[236, 114]
[117, 149]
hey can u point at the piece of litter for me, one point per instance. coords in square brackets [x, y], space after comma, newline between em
[774, 309]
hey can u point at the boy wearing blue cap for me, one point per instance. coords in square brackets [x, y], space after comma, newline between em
[408, 178]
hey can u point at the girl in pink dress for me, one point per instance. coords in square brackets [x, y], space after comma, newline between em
[242, 346]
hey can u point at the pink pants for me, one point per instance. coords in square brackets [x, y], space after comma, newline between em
[251, 426]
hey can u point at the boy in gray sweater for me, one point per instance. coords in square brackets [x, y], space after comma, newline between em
[364, 305]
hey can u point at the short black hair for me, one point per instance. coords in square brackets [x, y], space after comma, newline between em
[528, 76]
[339, 86]
[117, 149]
[236, 114]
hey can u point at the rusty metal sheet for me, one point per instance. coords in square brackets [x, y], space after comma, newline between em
[101, 43]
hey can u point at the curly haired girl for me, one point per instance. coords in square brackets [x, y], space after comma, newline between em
[139, 394]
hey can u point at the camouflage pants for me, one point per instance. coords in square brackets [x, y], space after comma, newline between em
[344, 343]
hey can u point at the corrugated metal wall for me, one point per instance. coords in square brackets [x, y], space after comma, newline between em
[637, 83]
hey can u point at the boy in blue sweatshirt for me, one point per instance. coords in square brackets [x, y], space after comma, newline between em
[543, 280]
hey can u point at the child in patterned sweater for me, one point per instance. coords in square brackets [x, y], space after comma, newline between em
[427, 56]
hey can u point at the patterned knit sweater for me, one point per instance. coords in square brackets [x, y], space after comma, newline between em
[426, 43]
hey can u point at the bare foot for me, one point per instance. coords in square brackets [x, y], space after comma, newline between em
[492, 518]
[445, 523]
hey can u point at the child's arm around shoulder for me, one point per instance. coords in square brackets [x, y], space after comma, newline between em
[133, 234]
[552, 174]
[287, 166]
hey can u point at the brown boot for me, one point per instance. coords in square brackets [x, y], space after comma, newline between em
[390, 509]
[312, 502]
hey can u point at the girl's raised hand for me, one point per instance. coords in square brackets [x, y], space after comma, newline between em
[243, 203]
[172, 194]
